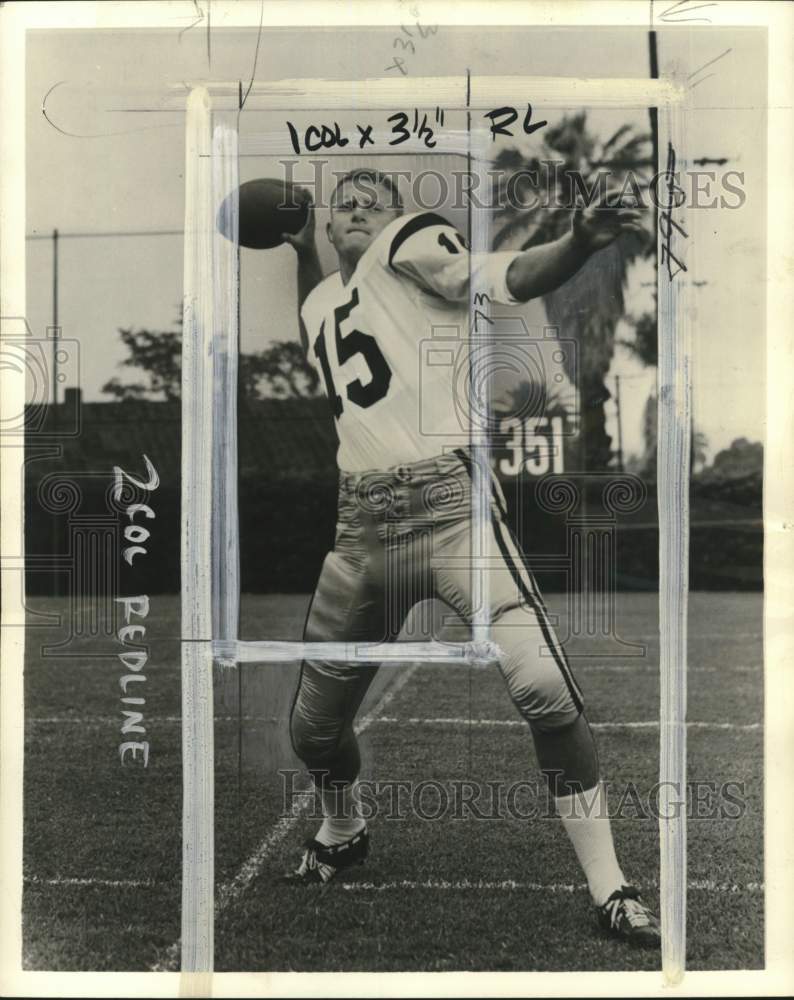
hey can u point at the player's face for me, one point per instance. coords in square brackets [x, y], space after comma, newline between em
[359, 212]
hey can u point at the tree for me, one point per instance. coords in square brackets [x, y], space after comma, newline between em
[645, 348]
[743, 458]
[284, 368]
[736, 476]
[281, 370]
[645, 345]
[586, 308]
[158, 353]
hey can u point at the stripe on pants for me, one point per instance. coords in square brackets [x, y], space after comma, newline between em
[533, 599]
[526, 583]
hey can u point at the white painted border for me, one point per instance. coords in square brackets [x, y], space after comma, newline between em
[218, 521]
[449, 92]
[277, 651]
[225, 357]
[673, 464]
[197, 566]
[672, 477]
[479, 393]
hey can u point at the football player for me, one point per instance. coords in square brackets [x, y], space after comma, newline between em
[404, 525]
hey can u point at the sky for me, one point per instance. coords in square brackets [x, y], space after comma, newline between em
[123, 173]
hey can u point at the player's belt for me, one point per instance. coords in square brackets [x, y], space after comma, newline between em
[422, 471]
[436, 487]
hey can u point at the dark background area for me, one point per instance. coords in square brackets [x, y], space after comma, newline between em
[287, 491]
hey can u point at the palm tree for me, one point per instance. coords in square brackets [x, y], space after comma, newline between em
[644, 347]
[586, 308]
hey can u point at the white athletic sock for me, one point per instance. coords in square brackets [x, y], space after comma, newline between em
[342, 815]
[584, 816]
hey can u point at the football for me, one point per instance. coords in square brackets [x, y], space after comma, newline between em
[268, 208]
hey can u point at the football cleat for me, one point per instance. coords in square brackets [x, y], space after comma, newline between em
[320, 862]
[625, 916]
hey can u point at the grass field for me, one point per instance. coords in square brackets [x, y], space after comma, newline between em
[102, 849]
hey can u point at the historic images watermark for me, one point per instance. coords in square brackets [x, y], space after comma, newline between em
[430, 800]
[547, 185]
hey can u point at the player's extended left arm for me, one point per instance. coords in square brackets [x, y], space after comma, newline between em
[541, 269]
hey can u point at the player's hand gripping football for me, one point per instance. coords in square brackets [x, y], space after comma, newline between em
[596, 226]
[304, 240]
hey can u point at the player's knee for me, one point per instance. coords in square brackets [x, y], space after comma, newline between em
[329, 750]
[314, 742]
[538, 685]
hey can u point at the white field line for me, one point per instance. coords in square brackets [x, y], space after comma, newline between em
[171, 720]
[519, 723]
[508, 885]
[54, 720]
[503, 885]
[57, 720]
[641, 669]
[692, 635]
[105, 883]
[579, 666]
[251, 868]
[174, 720]
[230, 892]
[640, 665]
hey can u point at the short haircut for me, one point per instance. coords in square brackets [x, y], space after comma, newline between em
[364, 180]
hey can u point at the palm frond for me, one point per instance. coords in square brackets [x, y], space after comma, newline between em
[614, 138]
[517, 232]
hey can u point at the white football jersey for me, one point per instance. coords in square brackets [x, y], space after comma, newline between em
[391, 346]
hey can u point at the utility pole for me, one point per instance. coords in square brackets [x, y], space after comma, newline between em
[653, 112]
[55, 335]
[56, 583]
